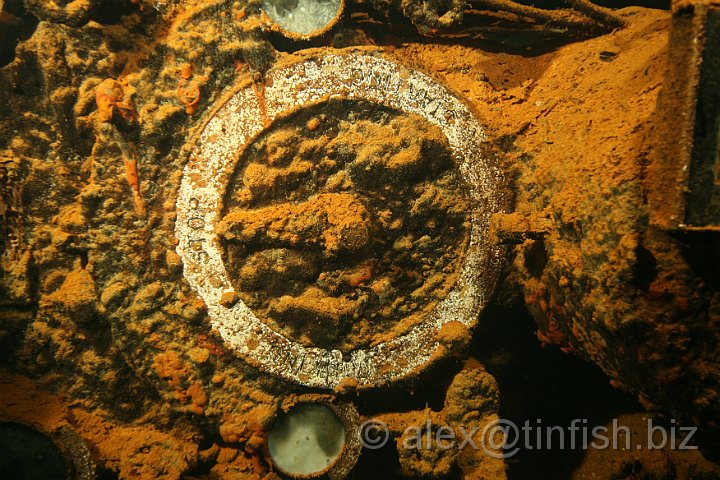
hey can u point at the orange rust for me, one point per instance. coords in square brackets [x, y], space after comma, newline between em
[186, 71]
[552, 336]
[205, 341]
[134, 182]
[239, 66]
[360, 275]
[259, 90]
[190, 96]
[107, 95]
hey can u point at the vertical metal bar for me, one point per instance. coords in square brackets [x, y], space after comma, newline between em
[683, 178]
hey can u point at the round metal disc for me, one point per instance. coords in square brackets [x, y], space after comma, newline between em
[239, 121]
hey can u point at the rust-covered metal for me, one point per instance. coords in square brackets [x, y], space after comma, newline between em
[684, 176]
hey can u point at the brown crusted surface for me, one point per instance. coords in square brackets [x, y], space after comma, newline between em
[640, 459]
[136, 451]
[602, 282]
[471, 403]
[144, 354]
[669, 165]
[678, 5]
[351, 233]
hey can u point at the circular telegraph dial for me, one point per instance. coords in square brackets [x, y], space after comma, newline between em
[204, 220]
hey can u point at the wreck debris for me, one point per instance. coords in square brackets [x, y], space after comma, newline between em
[489, 18]
[546, 114]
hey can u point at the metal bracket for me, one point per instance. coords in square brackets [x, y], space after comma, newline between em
[684, 178]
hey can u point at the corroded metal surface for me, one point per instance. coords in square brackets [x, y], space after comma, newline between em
[684, 177]
[355, 77]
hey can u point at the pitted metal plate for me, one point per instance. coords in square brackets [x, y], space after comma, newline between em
[239, 121]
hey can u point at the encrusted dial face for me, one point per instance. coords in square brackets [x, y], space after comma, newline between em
[320, 257]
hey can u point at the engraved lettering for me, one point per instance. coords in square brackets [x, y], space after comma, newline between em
[196, 244]
[196, 223]
[200, 257]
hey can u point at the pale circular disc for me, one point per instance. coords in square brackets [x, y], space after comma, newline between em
[237, 122]
[303, 19]
[306, 441]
